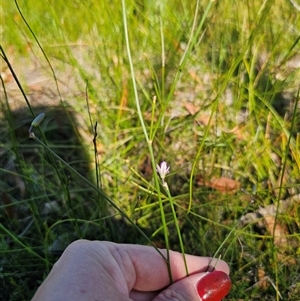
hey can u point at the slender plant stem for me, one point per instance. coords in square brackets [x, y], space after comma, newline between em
[18, 241]
[285, 158]
[100, 192]
[149, 142]
[41, 48]
[171, 200]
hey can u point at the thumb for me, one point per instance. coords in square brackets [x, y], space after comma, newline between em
[209, 286]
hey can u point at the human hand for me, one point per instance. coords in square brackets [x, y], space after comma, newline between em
[105, 271]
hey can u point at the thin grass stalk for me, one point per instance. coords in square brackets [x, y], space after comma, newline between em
[33, 206]
[193, 40]
[171, 201]
[163, 60]
[101, 193]
[6, 60]
[284, 163]
[214, 107]
[19, 242]
[41, 48]
[149, 142]
[3, 55]
[292, 142]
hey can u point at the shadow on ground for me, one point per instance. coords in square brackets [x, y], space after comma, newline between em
[45, 206]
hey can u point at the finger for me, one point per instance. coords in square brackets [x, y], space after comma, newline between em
[150, 268]
[212, 286]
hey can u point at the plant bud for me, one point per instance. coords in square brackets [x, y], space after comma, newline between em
[38, 119]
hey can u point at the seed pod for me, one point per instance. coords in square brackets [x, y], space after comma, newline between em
[37, 120]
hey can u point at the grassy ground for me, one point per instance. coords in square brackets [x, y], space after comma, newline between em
[209, 87]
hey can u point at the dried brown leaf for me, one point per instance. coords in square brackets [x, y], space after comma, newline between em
[223, 184]
[193, 109]
[262, 279]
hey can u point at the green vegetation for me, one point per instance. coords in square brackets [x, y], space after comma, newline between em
[211, 87]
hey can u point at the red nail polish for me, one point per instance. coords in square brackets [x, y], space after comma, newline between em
[214, 286]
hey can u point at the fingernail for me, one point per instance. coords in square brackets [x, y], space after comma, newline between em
[214, 286]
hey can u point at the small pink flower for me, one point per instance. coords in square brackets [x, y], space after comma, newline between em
[163, 170]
